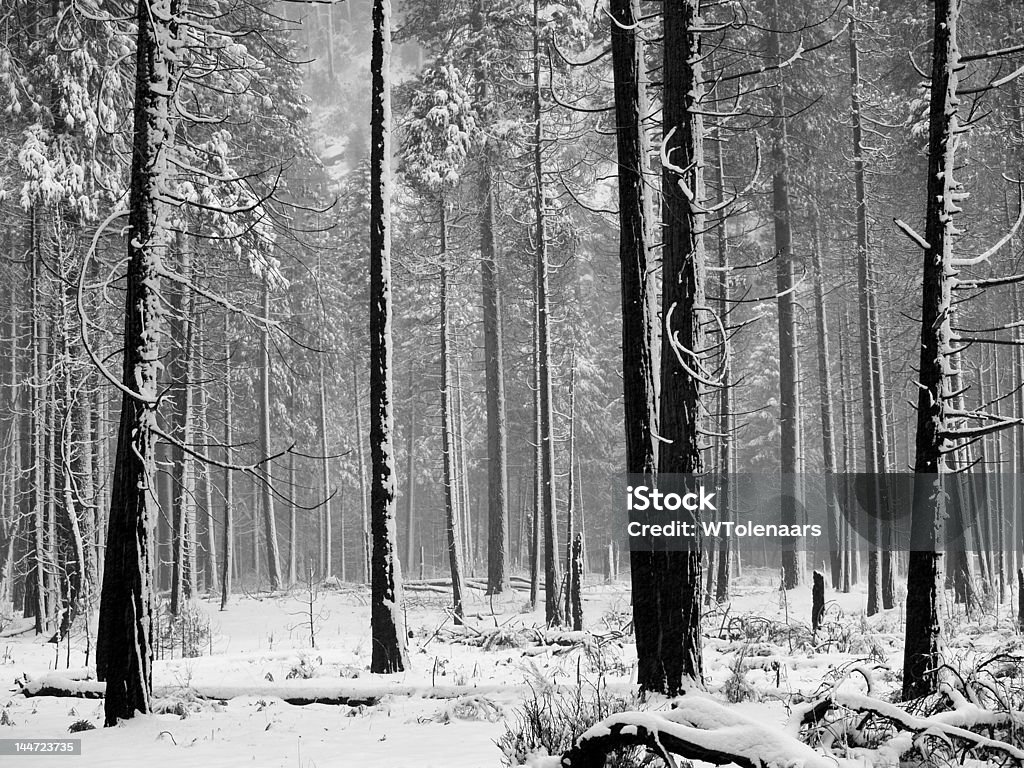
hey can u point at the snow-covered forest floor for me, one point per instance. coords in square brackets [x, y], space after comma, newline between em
[226, 706]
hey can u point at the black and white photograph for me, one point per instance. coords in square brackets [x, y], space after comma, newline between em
[512, 383]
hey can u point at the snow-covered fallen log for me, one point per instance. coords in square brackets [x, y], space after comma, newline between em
[295, 692]
[74, 686]
[698, 728]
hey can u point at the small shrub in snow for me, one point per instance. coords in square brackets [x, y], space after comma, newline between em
[81, 725]
[736, 688]
[478, 708]
[553, 717]
[185, 636]
[305, 669]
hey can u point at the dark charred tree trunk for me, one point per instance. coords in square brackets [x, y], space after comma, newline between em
[678, 579]
[574, 612]
[921, 650]
[124, 651]
[387, 623]
[817, 600]
[635, 261]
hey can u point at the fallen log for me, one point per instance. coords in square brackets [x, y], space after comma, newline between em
[298, 693]
[699, 728]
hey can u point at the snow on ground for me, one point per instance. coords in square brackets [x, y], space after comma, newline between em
[447, 711]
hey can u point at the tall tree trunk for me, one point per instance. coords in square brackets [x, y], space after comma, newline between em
[570, 534]
[828, 448]
[387, 623]
[785, 286]
[325, 477]
[850, 570]
[461, 466]
[182, 472]
[921, 650]
[69, 435]
[635, 262]
[864, 289]
[884, 450]
[678, 581]
[725, 417]
[293, 523]
[266, 494]
[124, 651]
[538, 484]
[229, 478]
[37, 412]
[452, 522]
[212, 568]
[361, 460]
[494, 373]
[410, 479]
[552, 569]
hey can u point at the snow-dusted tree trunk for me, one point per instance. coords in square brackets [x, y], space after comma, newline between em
[678, 582]
[227, 571]
[69, 453]
[494, 384]
[266, 495]
[635, 262]
[211, 567]
[293, 523]
[124, 653]
[833, 518]
[410, 478]
[325, 479]
[387, 622]
[785, 286]
[864, 288]
[361, 468]
[571, 585]
[725, 405]
[851, 564]
[536, 536]
[38, 604]
[494, 364]
[552, 568]
[452, 521]
[183, 530]
[921, 659]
